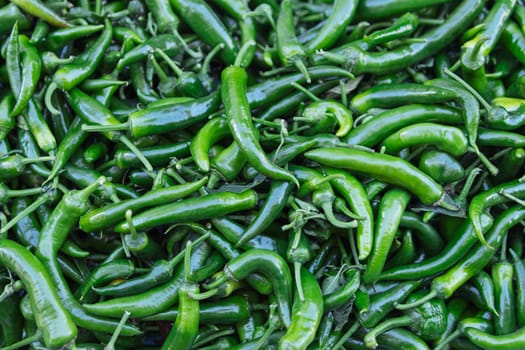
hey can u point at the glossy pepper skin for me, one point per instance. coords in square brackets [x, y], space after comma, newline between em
[55, 323]
[234, 97]
[385, 168]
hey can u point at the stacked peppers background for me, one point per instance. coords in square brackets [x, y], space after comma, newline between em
[262, 174]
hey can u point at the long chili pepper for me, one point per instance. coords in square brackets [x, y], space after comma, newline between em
[237, 109]
[290, 50]
[390, 95]
[271, 265]
[392, 206]
[504, 295]
[163, 119]
[405, 254]
[432, 42]
[105, 272]
[112, 214]
[40, 10]
[485, 200]
[463, 240]
[53, 233]
[511, 341]
[186, 326]
[352, 191]
[11, 14]
[154, 300]
[52, 319]
[160, 272]
[224, 311]
[342, 13]
[476, 259]
[484, 283]
[519, 269]
[383, 167]
[272, 207]
[228, 251]
[194, 209]
[7, 122]
[306, 314]
[82, 67]
[157, 155]
[31, 67]
[371, 133]
[212, 132]
[208, 26]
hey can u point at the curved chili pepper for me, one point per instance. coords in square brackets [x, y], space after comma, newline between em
[483, 282]
[194, 209]
[512, 341]
[7, 122]
[427, 234]
[445, 285]
[105, 272]
[502, 275]
[40, 10]
[381, 304]
[446, 138]
[402, 27]
[208, 26]
[513, 40]
[51, 317]
[391, 208]
[388, 122]
[341, 15]
[236, 105]
[318, 110]
[290, 50]
[186, 325]
[306, 314]
[155, 299]
[84, 65]
[212, 132]
[343, 295]
[394, 95]
[271, 265]
[383, 167]
[109, 215]
[468, 323]
[432, 42]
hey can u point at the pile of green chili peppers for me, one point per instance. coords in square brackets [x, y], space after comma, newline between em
[263, 174]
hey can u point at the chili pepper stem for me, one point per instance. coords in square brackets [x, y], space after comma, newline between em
[243, 52]
[10, 289]
[104, 128]
[297, 275]
[28, 210]
[185, 47]
[345, 336]
[137, 152]
[431, 295]
[370, 337]
[204, 295]
[444, 343]
[116, 333]
[329, 213]
[24, 342]
[512, 197]
[50, 91]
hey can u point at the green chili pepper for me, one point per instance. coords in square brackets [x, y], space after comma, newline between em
[40, 10]
[234, 96]
[306, 314]
[7, 122]
[512, 341]
[427, 321]
[383, 167]
[441, 166]
[51, 317]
